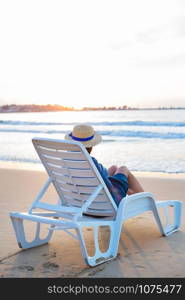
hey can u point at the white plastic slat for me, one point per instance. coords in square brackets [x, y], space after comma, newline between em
[55, 161]
[101, 206]
[64, 155]
[77, 188]
[81, 173]
[68, 163]
[99, 212]
[82, 197]
[57, 169]
[75, 180]
[77, 164]
[96, 206]
[56, 145]
[71, 172]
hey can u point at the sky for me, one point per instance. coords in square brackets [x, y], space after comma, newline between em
[92, 52]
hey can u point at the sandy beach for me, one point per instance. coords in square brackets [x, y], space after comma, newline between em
[143, 252]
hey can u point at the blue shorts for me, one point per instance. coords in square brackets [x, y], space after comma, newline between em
[119, 187]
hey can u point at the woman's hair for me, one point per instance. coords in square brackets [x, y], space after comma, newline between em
[89, 149]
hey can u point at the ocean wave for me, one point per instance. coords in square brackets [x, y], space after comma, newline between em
[32, 131]
[144, 134]
[126, 123]
[19, 159]
[112, 134]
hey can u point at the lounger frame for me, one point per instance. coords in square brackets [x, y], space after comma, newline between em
[83, 195]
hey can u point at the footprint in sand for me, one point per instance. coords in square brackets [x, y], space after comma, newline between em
[25, 268]
[50, 265]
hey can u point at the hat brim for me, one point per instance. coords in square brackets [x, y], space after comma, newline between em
[95, 140]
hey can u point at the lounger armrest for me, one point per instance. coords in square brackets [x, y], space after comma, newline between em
[43, 219]
[135, 204]
[137, 196]
[168, 203]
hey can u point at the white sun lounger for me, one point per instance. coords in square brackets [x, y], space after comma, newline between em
[81, 189]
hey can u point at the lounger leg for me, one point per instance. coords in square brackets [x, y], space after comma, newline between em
[177, 206]
[99, 257]
[158, 220]
[21, 238]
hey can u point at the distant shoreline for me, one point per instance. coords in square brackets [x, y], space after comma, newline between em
[56, 108]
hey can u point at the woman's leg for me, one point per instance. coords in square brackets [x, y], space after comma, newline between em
[112, 170]
[133, 184]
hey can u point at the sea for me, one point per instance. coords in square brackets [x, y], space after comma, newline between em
[142, 140]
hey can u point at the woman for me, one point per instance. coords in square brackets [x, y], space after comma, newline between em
[119, 180]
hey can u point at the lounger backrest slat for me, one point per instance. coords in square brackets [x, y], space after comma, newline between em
[82, 197]
[62, 154]
[74, 175]
[80, 188]
[74, 180]
[82, 165]
[71, 171]
[94, 205]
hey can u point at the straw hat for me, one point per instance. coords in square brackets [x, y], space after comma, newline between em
[84, 134]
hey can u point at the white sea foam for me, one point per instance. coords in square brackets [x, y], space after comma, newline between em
[143, 140]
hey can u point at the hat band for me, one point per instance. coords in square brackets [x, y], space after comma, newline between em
[81, 139]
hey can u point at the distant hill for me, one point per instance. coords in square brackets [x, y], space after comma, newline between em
[44, 108]
[33, 108]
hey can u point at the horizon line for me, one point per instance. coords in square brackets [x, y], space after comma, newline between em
[118, 107]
